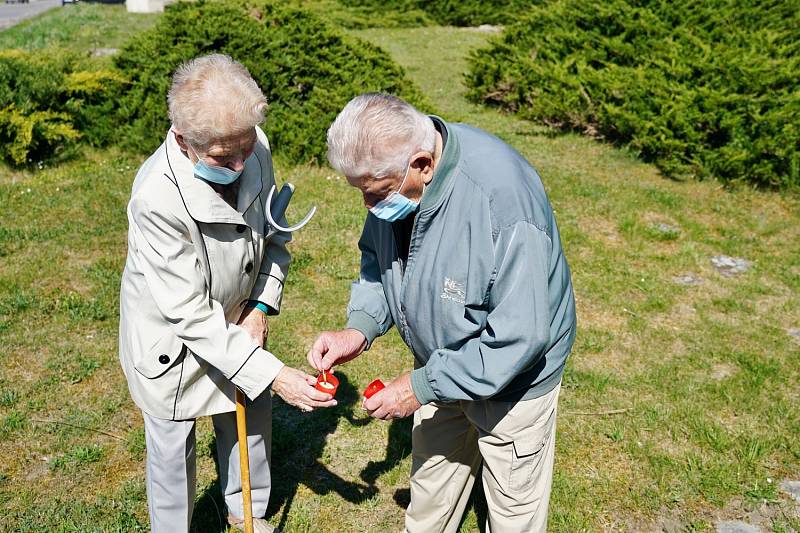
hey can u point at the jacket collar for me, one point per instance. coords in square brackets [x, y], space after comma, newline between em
[202, 202]
[445, 171]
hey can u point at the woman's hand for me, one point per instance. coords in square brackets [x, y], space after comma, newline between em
[255, 322]
[297, 388]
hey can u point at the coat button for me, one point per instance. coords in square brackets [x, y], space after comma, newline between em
[240, 228]
[248, 267]
[163, 359]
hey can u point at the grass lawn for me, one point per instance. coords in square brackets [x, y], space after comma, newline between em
[679, 406]
[93, 28]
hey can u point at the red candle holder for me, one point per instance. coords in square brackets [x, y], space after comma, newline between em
[327, 383]
[373, 387]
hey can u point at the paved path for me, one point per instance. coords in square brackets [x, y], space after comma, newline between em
[11, 14]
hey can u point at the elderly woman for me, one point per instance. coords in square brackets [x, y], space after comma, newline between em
[204, 270]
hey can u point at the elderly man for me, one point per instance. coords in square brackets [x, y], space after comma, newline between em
[461, 252]
[204, 270]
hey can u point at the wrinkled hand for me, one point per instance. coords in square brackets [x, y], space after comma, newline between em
[336, 347]
[297, 388]
[397, 400]
[255, 322]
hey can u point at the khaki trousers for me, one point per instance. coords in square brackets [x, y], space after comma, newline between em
[516, 443]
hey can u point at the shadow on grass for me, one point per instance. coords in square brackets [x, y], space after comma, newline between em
[398, 449]
[298, 442]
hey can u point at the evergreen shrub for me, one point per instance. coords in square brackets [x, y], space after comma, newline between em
[48, 102]
[307, 70]
[704, 89]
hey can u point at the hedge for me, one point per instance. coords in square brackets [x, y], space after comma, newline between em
[307, 70]
[706, 89]
[49, 102]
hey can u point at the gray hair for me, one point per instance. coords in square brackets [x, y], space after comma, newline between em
[376, 134]
[214, 97]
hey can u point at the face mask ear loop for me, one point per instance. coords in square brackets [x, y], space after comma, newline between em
[405, 177]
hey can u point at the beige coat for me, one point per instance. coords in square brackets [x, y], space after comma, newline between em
[193, 262]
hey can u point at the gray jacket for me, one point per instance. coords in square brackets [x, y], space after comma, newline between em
[485, 300]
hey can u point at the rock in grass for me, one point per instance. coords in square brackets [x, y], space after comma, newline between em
[794, 333]
[687, 279]
[663, 232]
[730, 266]
[736, 526]
[666, 228]
[792, 488]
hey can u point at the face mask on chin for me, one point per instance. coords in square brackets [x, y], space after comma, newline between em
[395, 206]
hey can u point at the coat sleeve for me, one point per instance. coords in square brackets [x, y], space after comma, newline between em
[172, 271]
[368, 310]
[268, 287]
[517, 331]
[274, 266]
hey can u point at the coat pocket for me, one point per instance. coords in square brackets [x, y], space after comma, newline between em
[527, 452]
[167, 352]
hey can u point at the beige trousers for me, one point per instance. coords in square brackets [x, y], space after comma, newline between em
[516, 443]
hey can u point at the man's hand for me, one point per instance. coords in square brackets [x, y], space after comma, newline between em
[297, 388]
[254, 321]
[397, 400]
[336, 347]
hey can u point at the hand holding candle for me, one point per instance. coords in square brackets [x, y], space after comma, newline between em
[396, 400]
[373, 387]
[327, 382]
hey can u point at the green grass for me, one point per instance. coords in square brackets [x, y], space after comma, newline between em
[94, 28]
[705, 376]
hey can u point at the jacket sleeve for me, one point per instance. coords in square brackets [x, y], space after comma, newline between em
[172, 271]
[275, 263]
[274, 266]
[517, 329]
[368, 310]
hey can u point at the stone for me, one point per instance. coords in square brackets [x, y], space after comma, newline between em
[794, 333]
[736, 526]
[687, 279]
[666, 229]
[488, 28]
[103, 52]
[730, 266]
[145, 6]
[792, 488]
[670, 525]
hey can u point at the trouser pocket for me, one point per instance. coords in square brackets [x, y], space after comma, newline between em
[527, 450]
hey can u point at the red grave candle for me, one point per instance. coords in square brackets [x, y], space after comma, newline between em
[373, 387]
[328, 383]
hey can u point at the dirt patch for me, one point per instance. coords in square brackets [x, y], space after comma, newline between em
[759, 515]
[601, 229]
[598, 315]
[721, 371]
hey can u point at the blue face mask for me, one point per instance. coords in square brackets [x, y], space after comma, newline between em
[220, 175]
[395, 206]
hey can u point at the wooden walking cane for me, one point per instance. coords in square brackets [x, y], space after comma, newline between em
[275, 210]
[244, 461]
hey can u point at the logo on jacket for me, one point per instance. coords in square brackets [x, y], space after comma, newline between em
[453, 290]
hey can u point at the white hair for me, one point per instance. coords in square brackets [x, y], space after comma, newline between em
[376, 134]
[214, 97]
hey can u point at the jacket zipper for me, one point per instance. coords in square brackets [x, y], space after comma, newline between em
[403, 270]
